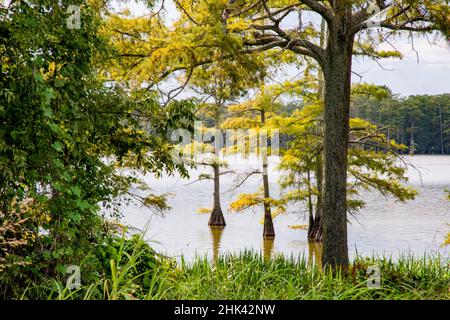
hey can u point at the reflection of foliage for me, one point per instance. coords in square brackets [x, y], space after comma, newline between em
[299, 226]
[204, 210]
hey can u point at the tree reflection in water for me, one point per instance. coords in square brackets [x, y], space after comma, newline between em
[315, 254]
[268, 248]
[216, 234]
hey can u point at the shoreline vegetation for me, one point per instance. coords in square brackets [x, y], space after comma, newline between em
[131, 270]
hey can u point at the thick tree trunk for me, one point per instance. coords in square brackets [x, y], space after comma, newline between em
[216, 218]
[337, 73]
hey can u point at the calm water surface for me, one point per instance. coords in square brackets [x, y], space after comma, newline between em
[383, 227]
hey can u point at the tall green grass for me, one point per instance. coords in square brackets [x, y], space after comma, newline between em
[250, 276]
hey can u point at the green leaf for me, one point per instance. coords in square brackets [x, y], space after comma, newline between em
[82, 204]
[48, 113]
[58, 146]
[46, 255]
[76, 191]
[55, 128]
[75, 217]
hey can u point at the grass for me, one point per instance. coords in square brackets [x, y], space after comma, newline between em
[250, 276]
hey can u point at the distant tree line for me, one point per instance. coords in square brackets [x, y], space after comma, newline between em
[421, 122]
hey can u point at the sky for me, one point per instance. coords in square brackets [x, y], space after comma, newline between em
[424, 70]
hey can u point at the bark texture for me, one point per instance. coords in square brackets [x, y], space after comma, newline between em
[337, 73]
[317, 233]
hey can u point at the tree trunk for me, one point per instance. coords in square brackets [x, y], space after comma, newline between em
[412, 144]
[441, 126]
[337, 73]
[311, 226]
[398, 135]
[216, 218]
[317, 234]
[269, 231]
[315, 227]
[403, 133]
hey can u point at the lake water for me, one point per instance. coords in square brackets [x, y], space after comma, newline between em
[383, 227]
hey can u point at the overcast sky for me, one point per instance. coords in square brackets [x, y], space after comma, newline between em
[426, 71]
